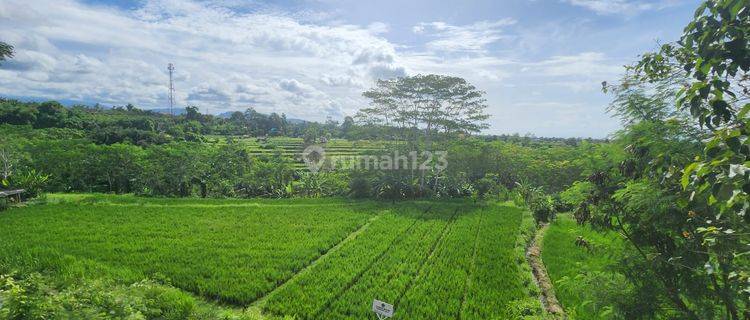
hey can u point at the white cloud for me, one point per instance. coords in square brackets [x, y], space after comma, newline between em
[577, 119]
[580, 72]
[472, 37]
[582, 64]
[298, 88]
[478, 70]
[378, 28]
[224, 60]
[303, 64]
[627, 7]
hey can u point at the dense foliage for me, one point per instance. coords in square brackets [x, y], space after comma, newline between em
[423, 106]
[680, 195]
[144, 127]
[63, 159]
[6, 51]
[35, 296]
[48, 147]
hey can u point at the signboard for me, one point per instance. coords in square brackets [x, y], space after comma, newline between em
[382, 309]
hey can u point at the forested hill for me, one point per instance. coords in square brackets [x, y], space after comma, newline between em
[131, 124]
[142, 127]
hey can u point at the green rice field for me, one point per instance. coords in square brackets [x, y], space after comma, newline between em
[293, 147]
[307, 258]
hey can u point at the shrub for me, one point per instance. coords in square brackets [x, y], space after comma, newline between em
[577, 193]
[503, 193]
[164, 302]
[31, 181]
[36, 297]
[392, 188]
[559, 205]
[540, 204]
[518, 199]
[359, 187]
[485, 186]
[543, 208]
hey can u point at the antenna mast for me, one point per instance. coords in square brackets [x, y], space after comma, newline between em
[170, 67]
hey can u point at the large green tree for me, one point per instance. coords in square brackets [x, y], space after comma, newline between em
[6, 51]
[429, 104]
[714, 52]
[681, 195]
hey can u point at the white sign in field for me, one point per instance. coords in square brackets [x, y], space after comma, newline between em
[382, 309]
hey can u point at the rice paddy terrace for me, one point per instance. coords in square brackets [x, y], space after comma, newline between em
[307, 258]
[293, 147]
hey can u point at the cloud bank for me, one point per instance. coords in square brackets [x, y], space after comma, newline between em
[305, 64]
[224, 60]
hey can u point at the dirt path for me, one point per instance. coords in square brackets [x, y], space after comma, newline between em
[534, 256]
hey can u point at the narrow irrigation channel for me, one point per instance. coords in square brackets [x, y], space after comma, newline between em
[543, 281]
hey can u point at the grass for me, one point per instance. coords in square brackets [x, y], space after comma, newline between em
[309, 258]
[584, 280]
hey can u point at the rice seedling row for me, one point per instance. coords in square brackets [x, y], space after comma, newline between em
[305, 295]
[437, 292]
[495, 268]
[392, 274]
[308, 258]
[231, 254]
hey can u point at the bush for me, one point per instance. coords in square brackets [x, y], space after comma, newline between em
[543, 209]
[320, 184]
[559, 205]
[518, 199]
[542, 206]
[503, 193]
[359, 187]
[486, 186]
[392, 188]
[31, 181]
[164, 302]
[577, 193]
[35, 296]
[452, 186]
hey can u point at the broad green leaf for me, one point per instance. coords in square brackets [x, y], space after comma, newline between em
[687, 173]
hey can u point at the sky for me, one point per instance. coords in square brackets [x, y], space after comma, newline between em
[540, 62]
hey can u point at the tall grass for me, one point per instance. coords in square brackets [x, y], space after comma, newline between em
[584, 280]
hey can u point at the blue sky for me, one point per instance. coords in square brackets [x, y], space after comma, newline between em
[541, 62]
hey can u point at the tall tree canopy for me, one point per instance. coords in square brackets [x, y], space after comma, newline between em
[6, 51]
[427, 103]
[681, 195]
